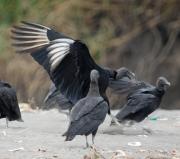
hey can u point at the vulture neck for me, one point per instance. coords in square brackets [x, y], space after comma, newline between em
[93, 89]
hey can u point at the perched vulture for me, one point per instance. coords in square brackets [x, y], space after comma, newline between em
[9, 107]
[88, 113]
[67, 61]
[143, 100]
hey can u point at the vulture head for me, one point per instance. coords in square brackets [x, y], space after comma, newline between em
[162, 83]
[94, 76]
[124, 72]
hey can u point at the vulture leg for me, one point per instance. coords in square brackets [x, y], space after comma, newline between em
[87, 144]
[115, 120]
[93, 136]
[7, 122]
[147, 130]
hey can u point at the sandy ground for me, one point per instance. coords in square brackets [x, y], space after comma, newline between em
[39, 137]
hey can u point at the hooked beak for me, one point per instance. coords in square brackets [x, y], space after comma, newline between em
[168, 84]
[131, 75]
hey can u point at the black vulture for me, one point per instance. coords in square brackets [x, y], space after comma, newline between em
[9, 107]
[88, 113]
[67, 61]
[143, 100]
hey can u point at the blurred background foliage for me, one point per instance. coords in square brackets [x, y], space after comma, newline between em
[142, 35]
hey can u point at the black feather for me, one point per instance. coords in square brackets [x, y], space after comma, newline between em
[141, 102]
[9, 107]
[68, 69]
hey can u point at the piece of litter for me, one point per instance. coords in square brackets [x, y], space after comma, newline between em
[142, 135]
[18, 141]
[120, 153]
[42, 150]
[162, 119]
[4, 133]
[142, 150]
[136, 143]
[153, 118]
[18, 149]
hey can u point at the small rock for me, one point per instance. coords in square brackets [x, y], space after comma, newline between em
[17, 149]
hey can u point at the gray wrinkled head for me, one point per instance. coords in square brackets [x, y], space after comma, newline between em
[94, 76]
[162, 83]
[124, 72]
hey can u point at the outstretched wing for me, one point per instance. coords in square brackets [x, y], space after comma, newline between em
[67, 61]
[138, 102]
[126, 85]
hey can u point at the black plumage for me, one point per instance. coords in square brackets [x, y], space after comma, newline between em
[55, 99]
[67, 61]
[88, 113]
[126, 84]
[143, 100]
[9, 107]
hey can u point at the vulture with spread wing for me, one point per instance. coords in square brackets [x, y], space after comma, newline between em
[67, 61]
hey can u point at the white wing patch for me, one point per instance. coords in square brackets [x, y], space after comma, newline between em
[58, 49]
[57, 45]
[30, 37]
[63, 40]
